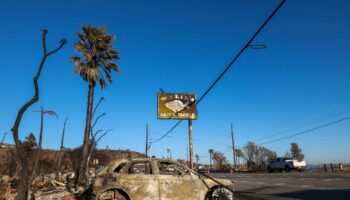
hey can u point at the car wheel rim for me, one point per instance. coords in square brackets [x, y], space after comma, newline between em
[222, 194]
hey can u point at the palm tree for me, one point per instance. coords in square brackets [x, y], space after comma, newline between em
[95, 66]
[197, 159]
[169, 153]
[239, 155]
[211, 151]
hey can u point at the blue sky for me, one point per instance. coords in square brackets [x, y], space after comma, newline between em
[298, 82]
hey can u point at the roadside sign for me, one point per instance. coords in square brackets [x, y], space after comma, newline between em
[177, 106]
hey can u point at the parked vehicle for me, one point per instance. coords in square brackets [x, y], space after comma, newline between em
[203, 169]
[286, 164]
[152, 179]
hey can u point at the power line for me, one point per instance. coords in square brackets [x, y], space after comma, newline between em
[307, 131]
[320, 109]
[167, 133]
[240, 52]
[229, 65]
[304, 124]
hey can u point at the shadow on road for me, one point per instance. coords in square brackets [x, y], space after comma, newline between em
[316, 194]
[302, 195]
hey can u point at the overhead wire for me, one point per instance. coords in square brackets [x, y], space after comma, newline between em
[305, 124]
[307, 131]
[320, 109]
[228, 66]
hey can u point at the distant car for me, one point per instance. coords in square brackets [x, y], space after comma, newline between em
[203, 169]
[286, 164]
[152, 179]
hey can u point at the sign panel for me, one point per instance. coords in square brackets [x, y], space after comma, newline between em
[177, 106]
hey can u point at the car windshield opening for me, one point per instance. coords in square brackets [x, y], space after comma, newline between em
[168, 168]
[119, 168]
[140, 168]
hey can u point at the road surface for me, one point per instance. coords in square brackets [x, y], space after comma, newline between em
[293, 185]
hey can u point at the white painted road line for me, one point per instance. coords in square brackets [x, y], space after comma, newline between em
[279, 184]
[306, 186]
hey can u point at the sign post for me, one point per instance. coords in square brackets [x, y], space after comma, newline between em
[179, 106]
[190, 142]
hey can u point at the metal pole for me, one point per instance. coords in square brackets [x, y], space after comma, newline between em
[190, 142]
[233, 149]
[146, 152]
[187, 153]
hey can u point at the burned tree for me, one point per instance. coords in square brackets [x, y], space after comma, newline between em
[61, 150]
[296, 152]
[21, 154]
[95, 66]
[3, 139]
[42, 113]
[211, 151]
[220, 161]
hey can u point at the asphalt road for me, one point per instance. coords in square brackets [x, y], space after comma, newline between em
[292, 185]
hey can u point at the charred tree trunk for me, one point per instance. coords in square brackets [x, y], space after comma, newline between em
[61, 152]
[3, 139]
[21, 154]
[83, 164]
[23, 182]
[39, 145]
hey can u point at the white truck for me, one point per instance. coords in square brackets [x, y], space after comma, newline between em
[286, 164]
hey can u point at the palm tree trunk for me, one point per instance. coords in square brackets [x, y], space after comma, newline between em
[83, 165]
[210, 161]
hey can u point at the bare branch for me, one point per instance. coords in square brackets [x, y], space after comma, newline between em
[44, 41]
[63, 131]
[93, 136]
[94, 144]
[62, 43]
[97, 105]
[51, 113]
[105, 133]
[3, 139]
[48, 112]
[96, 120]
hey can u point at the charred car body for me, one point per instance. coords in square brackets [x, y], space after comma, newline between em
[155, 179]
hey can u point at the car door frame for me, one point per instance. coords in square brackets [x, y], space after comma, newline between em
[172, 183]
[140, 186]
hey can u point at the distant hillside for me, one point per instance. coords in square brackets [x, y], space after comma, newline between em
[70, 158]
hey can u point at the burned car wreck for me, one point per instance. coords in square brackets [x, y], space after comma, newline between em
[157, 179]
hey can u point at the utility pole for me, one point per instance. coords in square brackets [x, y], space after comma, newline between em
[190, 142]
[187, 153]
[233, 149]
[147, 147]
